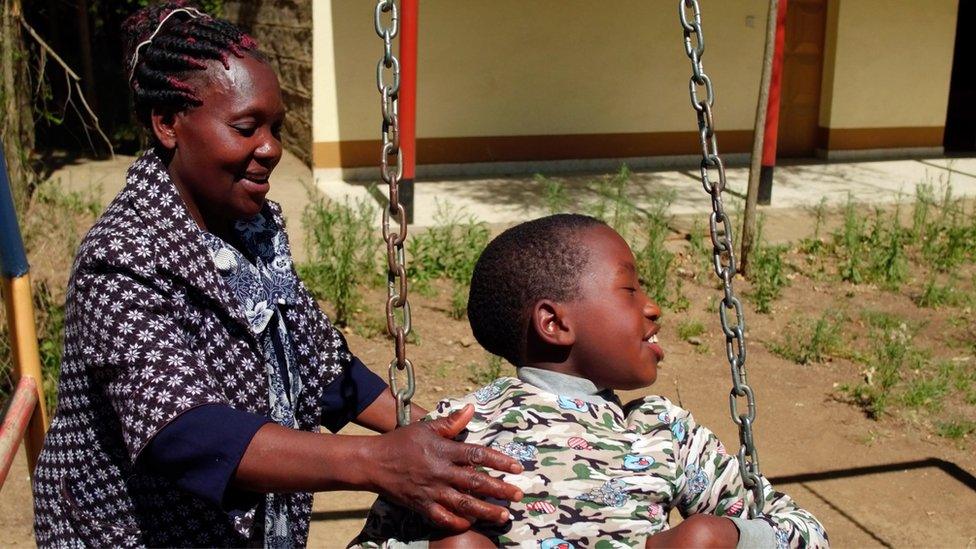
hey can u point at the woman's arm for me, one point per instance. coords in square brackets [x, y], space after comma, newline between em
[417, 466]
[380, 416]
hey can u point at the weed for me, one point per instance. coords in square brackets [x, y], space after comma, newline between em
[689, 328]
[701, 247]
[459, 302]
[891, 355]
[815, 245]
[881, 320]
[934, 295]
[341, 251]
[556, 197]
[849, 243]
[449, 249]
[925, 392]
[766, 272]
[484, 374]
[887, 262]
[955, 429]
[806, 342]
[612, 205]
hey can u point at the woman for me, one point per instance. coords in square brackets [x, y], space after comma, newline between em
[197, 367]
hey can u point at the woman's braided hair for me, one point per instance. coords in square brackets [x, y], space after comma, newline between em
[182, 45]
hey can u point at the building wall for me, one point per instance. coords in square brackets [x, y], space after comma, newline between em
[886, 83]
[283, 29]
[513, 80]
[491, 71]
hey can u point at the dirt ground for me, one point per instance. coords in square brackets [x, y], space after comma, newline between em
[890, 481]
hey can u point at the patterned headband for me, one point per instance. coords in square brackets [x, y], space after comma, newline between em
[192, 12]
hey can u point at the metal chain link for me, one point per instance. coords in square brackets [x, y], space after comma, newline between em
[391, 169]
[723, 254]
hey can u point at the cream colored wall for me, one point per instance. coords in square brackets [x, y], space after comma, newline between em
[892, 63]
[517, 67]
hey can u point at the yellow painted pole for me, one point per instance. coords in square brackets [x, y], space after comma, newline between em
[27, 358]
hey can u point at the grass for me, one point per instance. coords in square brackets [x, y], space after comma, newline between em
[768, 278]
[449, 249]
[483, 374]
[936, 295]
[955, 429]
[891, 358]
[806, 341]
[342, 250]
[690, 328]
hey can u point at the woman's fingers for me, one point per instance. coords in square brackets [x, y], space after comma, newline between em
[440, 516]
[484, 485]
[471, 454]
[461, 510]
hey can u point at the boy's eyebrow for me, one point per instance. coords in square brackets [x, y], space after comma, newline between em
[626, 267]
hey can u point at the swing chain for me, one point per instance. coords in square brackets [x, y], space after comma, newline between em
[391, 169]
[723, 254]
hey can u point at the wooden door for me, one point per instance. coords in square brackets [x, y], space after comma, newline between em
[806, 22]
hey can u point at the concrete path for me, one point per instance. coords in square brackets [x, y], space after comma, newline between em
[797, 186]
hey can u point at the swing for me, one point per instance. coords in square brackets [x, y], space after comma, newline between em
[720, 228]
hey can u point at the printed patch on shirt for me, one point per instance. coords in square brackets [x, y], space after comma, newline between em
[637, 463]
[555, 543]
[697, 482]
[541, 506]
[578, 443]
[516, 450]
[488, 392]
[736, 508]
[678, 430]
[610, 494]
[573, 404]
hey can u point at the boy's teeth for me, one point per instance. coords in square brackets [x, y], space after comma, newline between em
[652, 339]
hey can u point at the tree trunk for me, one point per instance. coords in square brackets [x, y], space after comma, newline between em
[16, 123]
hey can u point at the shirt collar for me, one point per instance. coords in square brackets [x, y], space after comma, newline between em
[564, 384]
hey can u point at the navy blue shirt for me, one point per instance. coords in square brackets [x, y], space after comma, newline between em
[201, 449]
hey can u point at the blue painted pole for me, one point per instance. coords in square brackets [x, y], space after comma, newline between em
[13, 259]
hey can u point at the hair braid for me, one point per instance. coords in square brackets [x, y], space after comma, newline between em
[182, 45]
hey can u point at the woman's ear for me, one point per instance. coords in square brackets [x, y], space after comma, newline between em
[552, 323]
[164, 127]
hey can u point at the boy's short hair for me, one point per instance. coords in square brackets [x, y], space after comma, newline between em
[538, 259]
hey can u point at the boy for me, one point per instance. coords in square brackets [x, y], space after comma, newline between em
[559, 297]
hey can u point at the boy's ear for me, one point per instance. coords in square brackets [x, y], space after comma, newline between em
[552, 324]
[164, 127]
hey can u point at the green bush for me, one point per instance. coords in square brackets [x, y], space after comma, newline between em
[766, 272]
[449, 249]
[806, 341]
[342, 248]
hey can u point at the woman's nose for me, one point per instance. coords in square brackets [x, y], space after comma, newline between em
[269, 149]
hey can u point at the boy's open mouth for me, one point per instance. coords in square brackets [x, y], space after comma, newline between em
[651, 340]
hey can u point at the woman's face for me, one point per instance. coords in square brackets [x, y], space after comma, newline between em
[224, 151]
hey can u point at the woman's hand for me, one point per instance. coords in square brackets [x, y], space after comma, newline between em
[706, 531]
[420, 467]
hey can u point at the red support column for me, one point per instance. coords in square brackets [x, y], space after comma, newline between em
[408, 101]
[771, 130]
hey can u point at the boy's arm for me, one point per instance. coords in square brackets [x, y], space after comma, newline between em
[710, 482]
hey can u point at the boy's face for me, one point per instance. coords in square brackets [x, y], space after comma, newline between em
[614, 320]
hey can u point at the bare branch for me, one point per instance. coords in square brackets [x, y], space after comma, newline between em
[76, 84]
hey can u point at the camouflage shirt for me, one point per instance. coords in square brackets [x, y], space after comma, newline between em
[601, 475]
